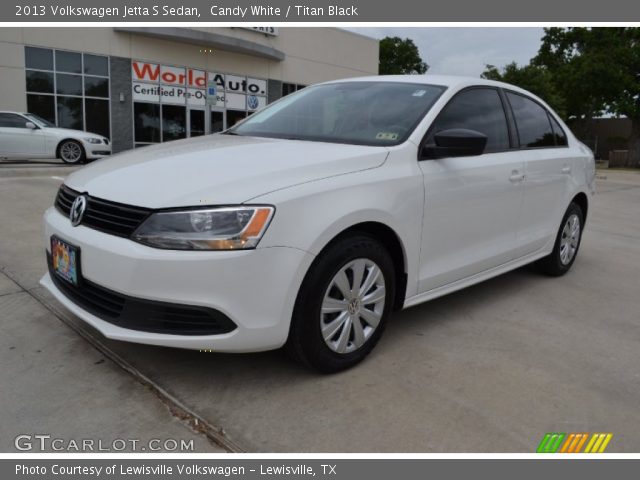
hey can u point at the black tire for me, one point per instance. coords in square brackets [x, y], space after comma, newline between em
[75, 146]
[552, 264]
[306, 343]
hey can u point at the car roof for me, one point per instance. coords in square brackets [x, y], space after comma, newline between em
[9, 111]
[454, 82]
[432, 79]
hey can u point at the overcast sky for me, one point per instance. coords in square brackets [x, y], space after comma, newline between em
[466, 50]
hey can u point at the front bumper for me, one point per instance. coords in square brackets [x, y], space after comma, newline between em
[94, 151]
[255, 289]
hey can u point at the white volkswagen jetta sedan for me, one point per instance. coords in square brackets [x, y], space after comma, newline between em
[307, 224]
[25, 135]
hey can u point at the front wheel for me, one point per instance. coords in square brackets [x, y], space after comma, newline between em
[343, 305]
[71, 151]
[567, 243]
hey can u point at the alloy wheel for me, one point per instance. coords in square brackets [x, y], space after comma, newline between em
[70, 152]
[569, 239]
[353, 305]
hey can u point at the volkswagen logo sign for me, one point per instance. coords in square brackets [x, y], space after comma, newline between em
[77, 210]
[252, 102]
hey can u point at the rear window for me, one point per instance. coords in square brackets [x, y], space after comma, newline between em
[532, 121]
[561, 137]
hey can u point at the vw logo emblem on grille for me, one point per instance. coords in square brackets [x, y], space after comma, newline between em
[77, 210]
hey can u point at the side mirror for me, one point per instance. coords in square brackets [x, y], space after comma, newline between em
[30, 125]
[455, 142]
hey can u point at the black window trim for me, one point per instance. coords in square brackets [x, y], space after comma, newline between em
[505, 108]
[549, 116]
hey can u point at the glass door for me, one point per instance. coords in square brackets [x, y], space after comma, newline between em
[216, 121]
[234, 116]
[196, 122]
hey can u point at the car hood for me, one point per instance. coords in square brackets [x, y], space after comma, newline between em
[217, 169]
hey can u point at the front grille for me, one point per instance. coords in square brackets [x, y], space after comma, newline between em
[108, 217]
[140, 314]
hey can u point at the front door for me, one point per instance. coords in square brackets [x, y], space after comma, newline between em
[16, 140]
[472, 203]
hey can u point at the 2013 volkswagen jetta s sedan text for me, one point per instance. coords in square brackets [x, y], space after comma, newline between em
[308, 223]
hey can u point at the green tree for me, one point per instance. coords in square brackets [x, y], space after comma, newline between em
[598, 71]
[534, 78]
[400, 57]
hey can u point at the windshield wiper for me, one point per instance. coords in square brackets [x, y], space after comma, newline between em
[229, 132]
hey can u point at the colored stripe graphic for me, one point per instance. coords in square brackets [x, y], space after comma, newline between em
[598, 443]
[573, 442]
[550, 443]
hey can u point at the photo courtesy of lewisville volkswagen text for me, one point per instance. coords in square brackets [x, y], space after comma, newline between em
[337, 245]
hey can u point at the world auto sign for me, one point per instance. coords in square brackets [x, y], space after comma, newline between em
[187, 86]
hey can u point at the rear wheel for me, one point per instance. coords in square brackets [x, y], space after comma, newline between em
[71, 151]
[343, 305]
[567, 243]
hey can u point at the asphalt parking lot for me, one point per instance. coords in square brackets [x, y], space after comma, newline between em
[489, 369]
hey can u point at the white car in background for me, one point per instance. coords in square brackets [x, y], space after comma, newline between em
[310, 222]
[25, 135]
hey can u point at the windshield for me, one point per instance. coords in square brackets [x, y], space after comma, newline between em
[360, 113]
[41, 122]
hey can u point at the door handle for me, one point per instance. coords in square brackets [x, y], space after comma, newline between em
[516, 176]
[566, 169]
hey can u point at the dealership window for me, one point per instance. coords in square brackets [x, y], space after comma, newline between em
[171, 102]
[69, 89]
[174, 122]
[234, 116]
[288, 88]
[147, 123]
[40, 58]
[197, 122]
[42, 105]
[70, 114]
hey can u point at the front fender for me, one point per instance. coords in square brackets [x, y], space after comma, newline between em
[309, 216]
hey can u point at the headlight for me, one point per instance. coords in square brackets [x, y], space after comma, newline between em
[224, 228]
[93, 140]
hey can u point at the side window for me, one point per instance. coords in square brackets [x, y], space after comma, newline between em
[534, 128]
[478, 109]
[561, 137]
[11, 120]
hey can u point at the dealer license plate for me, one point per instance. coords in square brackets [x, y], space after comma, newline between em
[66, 260]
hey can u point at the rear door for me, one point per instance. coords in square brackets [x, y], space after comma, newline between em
[548, 163]
[472, 203]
